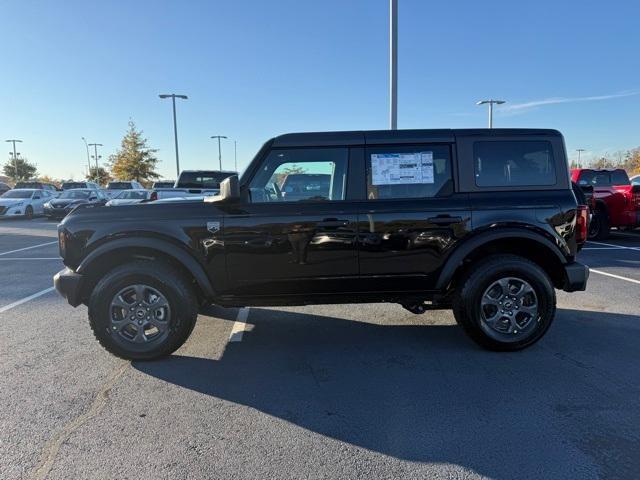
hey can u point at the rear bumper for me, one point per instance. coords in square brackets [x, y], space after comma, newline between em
[575, 277]
[69, 284]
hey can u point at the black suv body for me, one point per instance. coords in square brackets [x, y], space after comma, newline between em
[483, 222]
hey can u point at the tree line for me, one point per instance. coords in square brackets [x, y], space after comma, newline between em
[627, 159]
[134, 160]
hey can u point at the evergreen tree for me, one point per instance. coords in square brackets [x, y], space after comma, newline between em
[135, 160]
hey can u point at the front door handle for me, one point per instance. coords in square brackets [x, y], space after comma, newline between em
[444, 220]
[332, 223]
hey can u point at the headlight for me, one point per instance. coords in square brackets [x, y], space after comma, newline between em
[47, 205]
[19, 204]
[62, 242]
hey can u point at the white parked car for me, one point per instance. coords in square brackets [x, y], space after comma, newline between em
[23, 202]
[129, 197]
[635, 180]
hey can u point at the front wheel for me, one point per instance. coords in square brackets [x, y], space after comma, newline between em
[142, 310]
[505, 303]
[28, 212]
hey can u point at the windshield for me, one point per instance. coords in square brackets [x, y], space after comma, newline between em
[202, 179]
[119, 186]
[75, 194]
[18, 194]
[70, 185]
[163, 184]
[132, 195]
[27, 185]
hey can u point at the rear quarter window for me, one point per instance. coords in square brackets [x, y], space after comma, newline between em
[514, 164]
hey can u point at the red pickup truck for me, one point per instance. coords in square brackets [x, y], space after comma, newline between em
[617, 202]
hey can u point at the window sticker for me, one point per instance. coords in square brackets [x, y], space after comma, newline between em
[401, 168]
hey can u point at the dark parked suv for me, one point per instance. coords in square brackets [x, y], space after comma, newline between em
[483, 222]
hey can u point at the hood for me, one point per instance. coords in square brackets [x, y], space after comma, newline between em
[7, 202]
[64, 202]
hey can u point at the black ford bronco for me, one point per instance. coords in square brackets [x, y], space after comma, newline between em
[483, 222]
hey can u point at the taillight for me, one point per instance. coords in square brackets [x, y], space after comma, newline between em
[582, 220]
[635, 193]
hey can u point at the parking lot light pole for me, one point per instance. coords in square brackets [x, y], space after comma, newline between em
[86, 145]
[219, 148]
[15, 156]
[491, 104]
[579, 150]
[393, 64]
[95, 151]
[173, 97]
[235, 155]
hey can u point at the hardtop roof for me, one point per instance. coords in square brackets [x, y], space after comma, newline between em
[379, 137]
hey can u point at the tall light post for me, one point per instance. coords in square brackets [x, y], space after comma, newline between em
[235, 154]
[491, 104]
[579, 150]
[15, 156]
[219, 149]
[173, 97]
[96, 157]
[393, 64]
[86, 145]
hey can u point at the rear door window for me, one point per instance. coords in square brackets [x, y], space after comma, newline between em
[421, 171]
[514, 163]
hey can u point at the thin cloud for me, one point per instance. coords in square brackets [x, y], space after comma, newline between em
[523, 107]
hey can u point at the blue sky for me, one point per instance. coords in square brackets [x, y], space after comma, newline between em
[254, 69]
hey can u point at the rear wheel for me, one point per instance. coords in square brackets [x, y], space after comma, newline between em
[599, 227]
[505, 303]
[142, 310]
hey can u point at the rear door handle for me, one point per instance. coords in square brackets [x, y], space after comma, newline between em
[332, 222]
[444, 220]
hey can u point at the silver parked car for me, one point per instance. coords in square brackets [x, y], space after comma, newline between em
[25, 202]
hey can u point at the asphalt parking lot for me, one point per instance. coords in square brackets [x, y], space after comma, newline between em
[366, 391]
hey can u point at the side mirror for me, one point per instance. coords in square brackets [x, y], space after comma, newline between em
[229, 190]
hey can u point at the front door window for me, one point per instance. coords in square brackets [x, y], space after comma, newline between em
[294, 175]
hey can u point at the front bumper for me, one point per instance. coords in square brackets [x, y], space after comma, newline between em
[69, 284]
[575, 277]
[57, 212]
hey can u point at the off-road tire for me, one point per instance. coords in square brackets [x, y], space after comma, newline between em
[479, 276]
[166, 280]
[601, 228]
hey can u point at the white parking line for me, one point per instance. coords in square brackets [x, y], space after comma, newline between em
[619, 277]
[615, 246]
[27, 248]
[25, 258]
[239, 326]
[25, 300]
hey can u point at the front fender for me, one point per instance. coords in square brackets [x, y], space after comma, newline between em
[179, 255]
